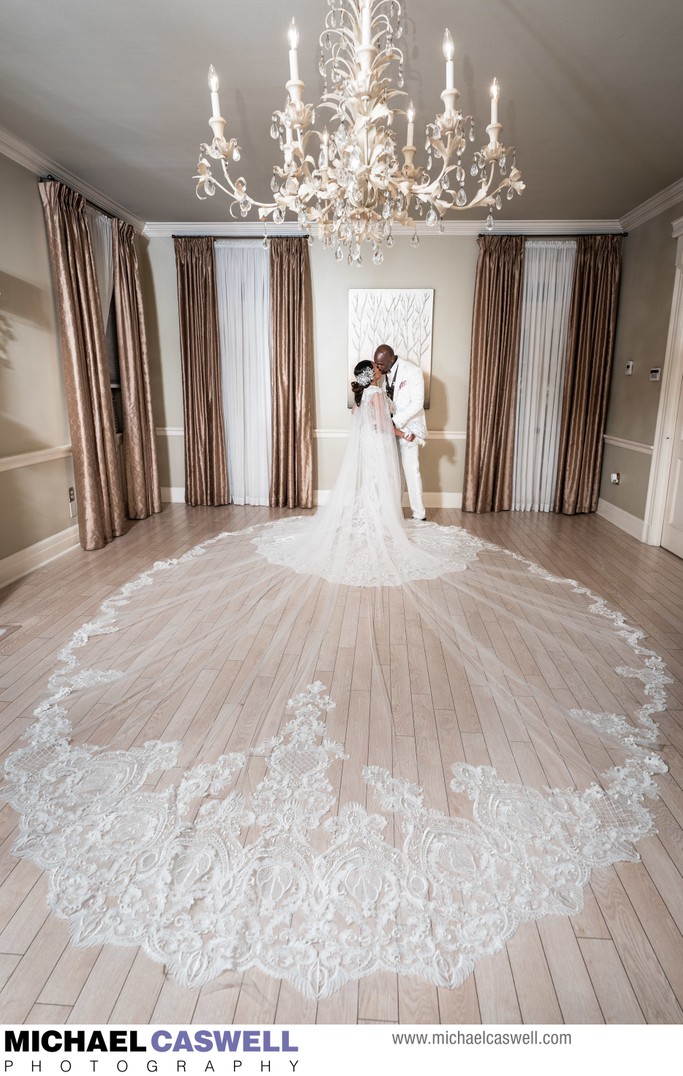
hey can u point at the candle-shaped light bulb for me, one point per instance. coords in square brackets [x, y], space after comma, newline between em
[495, 94]
[293, 58]
[411, 124]
[213, 86]
[366, 25]
[449, 53]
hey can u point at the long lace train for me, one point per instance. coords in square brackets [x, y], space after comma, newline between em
[226, 844]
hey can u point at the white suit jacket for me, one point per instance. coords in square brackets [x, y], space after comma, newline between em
[409, 393]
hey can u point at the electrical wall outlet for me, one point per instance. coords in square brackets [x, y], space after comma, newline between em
[655, 374]
[629, 369]
[615, 478]
[72, 502]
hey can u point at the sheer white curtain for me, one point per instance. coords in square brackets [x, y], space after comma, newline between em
[99, 226]
[546, 297]
[243, 293]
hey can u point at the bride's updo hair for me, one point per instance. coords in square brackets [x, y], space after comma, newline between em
[363, 374]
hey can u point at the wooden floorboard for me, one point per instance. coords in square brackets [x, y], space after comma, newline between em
[619, 960]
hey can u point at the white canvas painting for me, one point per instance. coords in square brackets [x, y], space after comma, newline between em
[401, 317]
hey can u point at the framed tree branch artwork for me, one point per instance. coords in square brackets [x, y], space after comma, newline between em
[400, 317]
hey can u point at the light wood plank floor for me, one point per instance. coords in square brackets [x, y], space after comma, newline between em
[619, 961]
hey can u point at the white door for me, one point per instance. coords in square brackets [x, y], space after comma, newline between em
[672, 533]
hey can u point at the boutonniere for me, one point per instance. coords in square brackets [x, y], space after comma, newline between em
[403, 384]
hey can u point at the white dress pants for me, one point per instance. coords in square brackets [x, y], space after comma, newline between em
[410, 461]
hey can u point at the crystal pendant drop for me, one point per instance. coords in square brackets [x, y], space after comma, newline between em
[236, 154]
[339, 254]
[474, 170]
[460, 174]
[302, 218]
[461, 198]
[432, 217]
[274, 130]
[510, 194]
[415, 241]
[309, 240]
[390, 240]
[278, 216]
[377, 256]
[499, 202]
[471, 135]
[489, 223]
[445, 183]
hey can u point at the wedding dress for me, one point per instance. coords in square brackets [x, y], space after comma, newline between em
[193, 789]
[360, 538]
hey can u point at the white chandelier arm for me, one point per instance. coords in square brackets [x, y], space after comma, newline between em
[347, 180]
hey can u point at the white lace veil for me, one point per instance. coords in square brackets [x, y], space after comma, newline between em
[182, 806]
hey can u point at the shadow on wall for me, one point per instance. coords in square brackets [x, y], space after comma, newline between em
[21, 300]
[29, 302]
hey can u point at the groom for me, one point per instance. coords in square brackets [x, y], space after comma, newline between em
[404, 385]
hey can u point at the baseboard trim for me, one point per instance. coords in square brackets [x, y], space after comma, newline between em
[21, 563]
[173, 494]
[621, 519]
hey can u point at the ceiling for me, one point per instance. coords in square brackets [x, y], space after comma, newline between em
[115, 92]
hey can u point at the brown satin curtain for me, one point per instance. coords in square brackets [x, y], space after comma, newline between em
[99, 495]
[590, 347]
[292, 365]
[139, 439]
[206, 472]
[489, 453]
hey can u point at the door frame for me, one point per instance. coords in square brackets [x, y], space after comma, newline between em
[662, 450]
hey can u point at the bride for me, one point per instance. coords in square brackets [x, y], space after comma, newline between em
[182, 804]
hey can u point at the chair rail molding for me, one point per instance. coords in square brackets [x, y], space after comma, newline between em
[29, 459]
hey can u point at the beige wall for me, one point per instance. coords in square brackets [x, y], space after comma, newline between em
[644, 308]
[158, 275]
[444, 263]
[34, 498]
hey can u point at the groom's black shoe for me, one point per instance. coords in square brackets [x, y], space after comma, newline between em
[420, 519]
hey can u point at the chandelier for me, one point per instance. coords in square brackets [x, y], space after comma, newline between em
[346, 181]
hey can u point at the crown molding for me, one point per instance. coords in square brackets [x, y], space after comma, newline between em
[28, 157]
[667, 198]
[238, 229]
[471, 228]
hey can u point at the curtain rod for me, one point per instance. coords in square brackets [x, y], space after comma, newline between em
[242, 238]
[54, 179]
[551, 235]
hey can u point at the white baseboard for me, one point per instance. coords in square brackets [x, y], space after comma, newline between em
[173, 494]
[431, 500]
[624, 520]
[35, 556]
